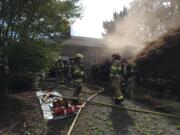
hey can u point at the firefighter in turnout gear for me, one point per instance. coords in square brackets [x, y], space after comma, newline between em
[60, 70]
[66, 68]
[78, 75]
[124, 78]
[70, 66]
[115, 77]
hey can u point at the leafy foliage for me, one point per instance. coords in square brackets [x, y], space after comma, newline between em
[155, 17]
[30, 31]
[36, 19]
[100, 73]
[146, 20]
[160, 57]
[30, 57]
[157, 65]
[26, 27]
[110, 26]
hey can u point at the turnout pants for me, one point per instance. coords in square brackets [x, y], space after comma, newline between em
[60, 76]
[78, 88]
[116, 86]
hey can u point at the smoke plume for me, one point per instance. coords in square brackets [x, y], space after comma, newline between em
[146, 21]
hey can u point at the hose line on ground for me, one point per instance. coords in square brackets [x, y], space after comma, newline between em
[122, 107]
[83, 105]
[100, 90]
[136, 110]
[130, 109]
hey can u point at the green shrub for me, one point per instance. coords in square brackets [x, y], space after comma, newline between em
[20, 82]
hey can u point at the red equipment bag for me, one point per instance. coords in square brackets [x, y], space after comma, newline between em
[65, 111]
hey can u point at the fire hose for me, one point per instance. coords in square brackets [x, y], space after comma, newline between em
[113, 106]
[122, 107]
[83, 105]
[128, 108]
[100, 90]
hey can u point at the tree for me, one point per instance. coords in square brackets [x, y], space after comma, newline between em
[35, 19]
[151, 18]
[29, 30]
[146, 21]
[110, 26]
[155, 17]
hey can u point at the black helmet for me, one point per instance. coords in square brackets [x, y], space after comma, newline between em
[116, 56]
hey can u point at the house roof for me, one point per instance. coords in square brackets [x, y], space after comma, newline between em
[85, 41]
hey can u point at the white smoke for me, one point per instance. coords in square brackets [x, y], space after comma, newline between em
[146, 21]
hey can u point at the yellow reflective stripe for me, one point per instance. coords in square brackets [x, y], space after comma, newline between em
[82, 73]
[77, 70]
[113, 67]
[120, 97]
[116, 67]
[78, 80]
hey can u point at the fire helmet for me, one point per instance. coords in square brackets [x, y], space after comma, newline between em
[116, 56]
[59, 58]
[78, 55]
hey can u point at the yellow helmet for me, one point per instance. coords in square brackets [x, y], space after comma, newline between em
[78, 55]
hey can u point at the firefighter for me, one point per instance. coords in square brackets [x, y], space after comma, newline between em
[60, 70]
[115, 77]
[66, 68]
[78, 75]
[70, 65]
[124, 78]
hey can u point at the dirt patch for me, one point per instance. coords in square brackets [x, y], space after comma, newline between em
[100, 120]
[20, 114]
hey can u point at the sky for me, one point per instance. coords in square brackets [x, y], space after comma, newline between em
[93, 14]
